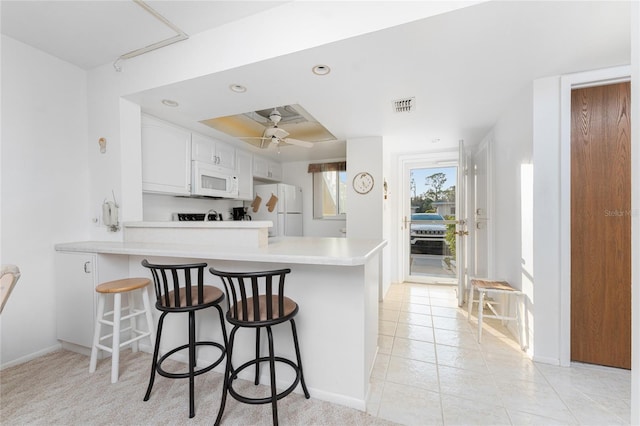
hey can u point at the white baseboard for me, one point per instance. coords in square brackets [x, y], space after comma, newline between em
[31, 356]
[358, 404]
[546, 360]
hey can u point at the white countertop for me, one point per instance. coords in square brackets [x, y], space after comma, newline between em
[295, 250]
[240, 224]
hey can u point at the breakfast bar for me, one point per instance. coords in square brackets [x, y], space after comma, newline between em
[335, 281]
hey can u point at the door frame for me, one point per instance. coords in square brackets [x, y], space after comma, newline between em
[484, 149]
[567, 83]
[447, 158]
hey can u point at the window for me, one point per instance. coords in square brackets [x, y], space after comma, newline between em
[329, 190]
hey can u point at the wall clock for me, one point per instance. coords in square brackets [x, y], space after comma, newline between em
[362, 182]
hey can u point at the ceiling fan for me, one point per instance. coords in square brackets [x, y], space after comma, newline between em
[275, 135]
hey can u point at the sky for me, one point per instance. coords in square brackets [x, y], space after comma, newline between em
[419, 176]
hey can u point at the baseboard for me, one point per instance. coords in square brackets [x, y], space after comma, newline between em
[546, 360]
[358, 404]
[31, 356]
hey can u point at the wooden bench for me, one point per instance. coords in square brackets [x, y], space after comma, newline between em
[482, 286]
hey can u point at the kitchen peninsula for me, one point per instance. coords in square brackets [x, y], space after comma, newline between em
[335, 281]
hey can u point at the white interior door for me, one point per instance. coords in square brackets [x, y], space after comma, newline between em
[462, 233]
[480, 208]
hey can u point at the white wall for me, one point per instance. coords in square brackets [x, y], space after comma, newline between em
[295, 173]
[44, 186]
[512, 148]
[512, 191]
[364, 219]
[367, 215]
[546, 190]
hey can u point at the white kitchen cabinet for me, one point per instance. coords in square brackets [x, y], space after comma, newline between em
[244, 171]
[275, 171]
[166, 157]
[77, 275]
[260, 167]
[210, 151]
[266, 170]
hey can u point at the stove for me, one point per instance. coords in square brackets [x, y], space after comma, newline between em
[194, 217]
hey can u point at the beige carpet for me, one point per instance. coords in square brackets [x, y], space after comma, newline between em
[58, 389]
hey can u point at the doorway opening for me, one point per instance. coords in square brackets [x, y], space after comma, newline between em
[431, 224]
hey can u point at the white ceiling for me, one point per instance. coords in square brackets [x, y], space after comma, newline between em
[92, 33]
[463, 67]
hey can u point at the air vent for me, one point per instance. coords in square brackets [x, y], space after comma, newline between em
[404, 105]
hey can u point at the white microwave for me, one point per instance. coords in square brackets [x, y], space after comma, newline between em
[211, 181]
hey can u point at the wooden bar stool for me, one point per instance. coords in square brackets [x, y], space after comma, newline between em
[482, 286]
[117, 288]
[257, 300]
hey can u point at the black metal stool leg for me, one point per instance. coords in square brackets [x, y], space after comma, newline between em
[222, 324]
[272, 367]
[257, 379]
[224, 330]
[156, 350]
[228, 371]
[192, 361]
[295, 343]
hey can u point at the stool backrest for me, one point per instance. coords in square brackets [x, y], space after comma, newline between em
[175, 284]
[9, 275]
[244, 291]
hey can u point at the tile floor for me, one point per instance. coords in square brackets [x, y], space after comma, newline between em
[430, 370]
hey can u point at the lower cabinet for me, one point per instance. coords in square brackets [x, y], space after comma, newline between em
[77, 275]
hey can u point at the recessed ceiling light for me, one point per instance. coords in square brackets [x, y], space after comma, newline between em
[238, 88]
[170, 103]
[321, 70]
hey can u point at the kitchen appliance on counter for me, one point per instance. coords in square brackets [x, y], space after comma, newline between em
[281, 204]
[240, 213]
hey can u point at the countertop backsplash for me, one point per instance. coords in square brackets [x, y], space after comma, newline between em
[156, 207]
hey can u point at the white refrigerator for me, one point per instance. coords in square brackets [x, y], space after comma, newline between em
[286, 213]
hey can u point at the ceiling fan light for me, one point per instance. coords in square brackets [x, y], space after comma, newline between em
[275, 116]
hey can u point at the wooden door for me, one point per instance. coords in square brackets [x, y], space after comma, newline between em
[601, 225]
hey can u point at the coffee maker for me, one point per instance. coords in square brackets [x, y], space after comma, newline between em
[240, 213]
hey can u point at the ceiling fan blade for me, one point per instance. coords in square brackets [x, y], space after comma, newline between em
[253, 137]
[298, 142]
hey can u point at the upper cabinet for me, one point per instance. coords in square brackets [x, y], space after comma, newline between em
[244, 171]
[167, 152]
[210, 151]
[266, 170]
[166, 157]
